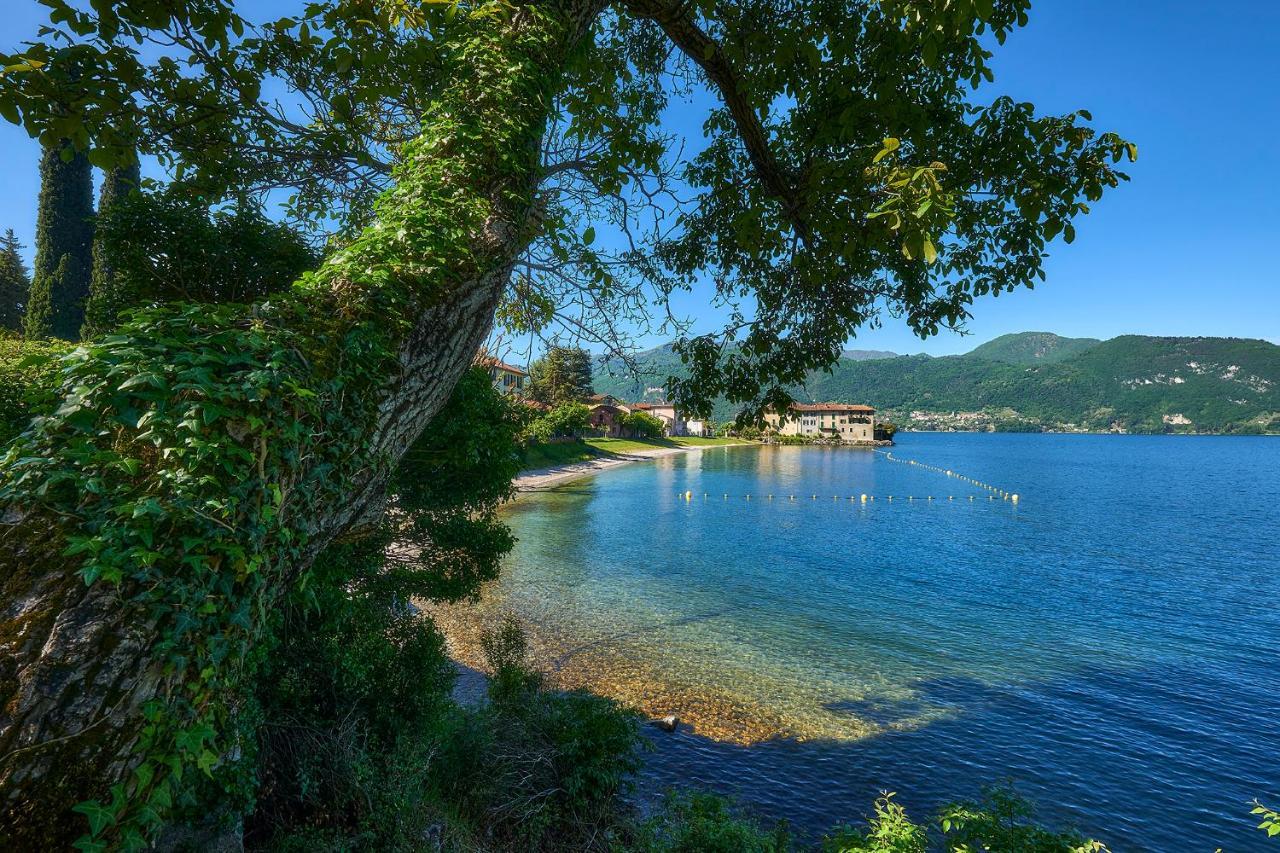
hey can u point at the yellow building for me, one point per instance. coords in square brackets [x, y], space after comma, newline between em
[843, 421]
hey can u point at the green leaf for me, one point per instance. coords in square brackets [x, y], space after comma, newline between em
[100, 817]
[589, 236]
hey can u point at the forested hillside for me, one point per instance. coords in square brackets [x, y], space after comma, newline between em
[1033, 348]
[1041, 381]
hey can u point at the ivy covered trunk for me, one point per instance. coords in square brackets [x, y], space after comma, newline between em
[203, 455]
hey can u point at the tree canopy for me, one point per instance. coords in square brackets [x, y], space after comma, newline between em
[15, 282]
[204, 455]
[64, 246]
[855, 168]
[562, 375]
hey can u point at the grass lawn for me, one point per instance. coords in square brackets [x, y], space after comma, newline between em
[631, 445]
[548, 455]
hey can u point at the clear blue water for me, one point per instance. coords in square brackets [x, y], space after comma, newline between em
[1108, 643]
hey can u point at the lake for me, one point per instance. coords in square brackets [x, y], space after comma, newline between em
[1107, 643]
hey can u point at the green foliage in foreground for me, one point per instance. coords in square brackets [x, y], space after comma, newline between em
[28, 371]
[1001, 822]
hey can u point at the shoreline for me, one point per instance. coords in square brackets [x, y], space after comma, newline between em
[539, 479]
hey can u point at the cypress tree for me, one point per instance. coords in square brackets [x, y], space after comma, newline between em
[15, 283]
[105, 299]
[64, 247]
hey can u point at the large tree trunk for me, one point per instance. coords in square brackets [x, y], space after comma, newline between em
[79, 662]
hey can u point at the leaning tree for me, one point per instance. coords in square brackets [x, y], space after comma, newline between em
[202, 455]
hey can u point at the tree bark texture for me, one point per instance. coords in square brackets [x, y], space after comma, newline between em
[79, 662]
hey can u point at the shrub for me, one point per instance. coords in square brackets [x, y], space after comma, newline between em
[165, 247]
[888, 831]
[643, 425]
[354, 697]
[29, 372]
[565, 420]
[698, 822]
[538, 769]
[998, 823]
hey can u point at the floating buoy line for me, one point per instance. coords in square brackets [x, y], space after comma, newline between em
[688, 495]
[994, 492]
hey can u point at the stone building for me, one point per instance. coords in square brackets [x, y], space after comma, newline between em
[844, 421]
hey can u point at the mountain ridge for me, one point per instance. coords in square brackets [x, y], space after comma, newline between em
[1040, 381]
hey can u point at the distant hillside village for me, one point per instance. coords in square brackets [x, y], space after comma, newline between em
[560, 384]
[1036, 382]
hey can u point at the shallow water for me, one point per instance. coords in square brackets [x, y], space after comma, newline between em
[1107, 642]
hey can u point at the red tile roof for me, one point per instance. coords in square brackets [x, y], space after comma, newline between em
[491, 363]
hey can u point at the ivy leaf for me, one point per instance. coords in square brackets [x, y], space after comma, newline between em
[100, 817]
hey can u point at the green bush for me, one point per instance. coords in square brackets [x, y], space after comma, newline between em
[166, 247]
[29, 372]
[354, 697]
[698, 822]
[564, 421]
[885, 431]
[537, 769]
[643, 425]
[1001, 822]
[349, 706]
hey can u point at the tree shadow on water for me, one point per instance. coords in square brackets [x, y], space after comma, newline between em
[1143, 760]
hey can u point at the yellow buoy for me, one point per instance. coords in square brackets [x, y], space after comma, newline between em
[688, 495]
[1015, 498]
[864, 498]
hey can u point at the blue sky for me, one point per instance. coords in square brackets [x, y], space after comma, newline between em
[1186, 248]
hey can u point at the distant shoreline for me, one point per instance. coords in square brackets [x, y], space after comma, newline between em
[1091, 432]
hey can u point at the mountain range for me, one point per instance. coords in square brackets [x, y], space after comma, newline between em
[1034, 381]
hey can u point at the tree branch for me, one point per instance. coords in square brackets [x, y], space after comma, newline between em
[674, 19]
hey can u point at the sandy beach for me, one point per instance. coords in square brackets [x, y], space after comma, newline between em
[544, 478]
